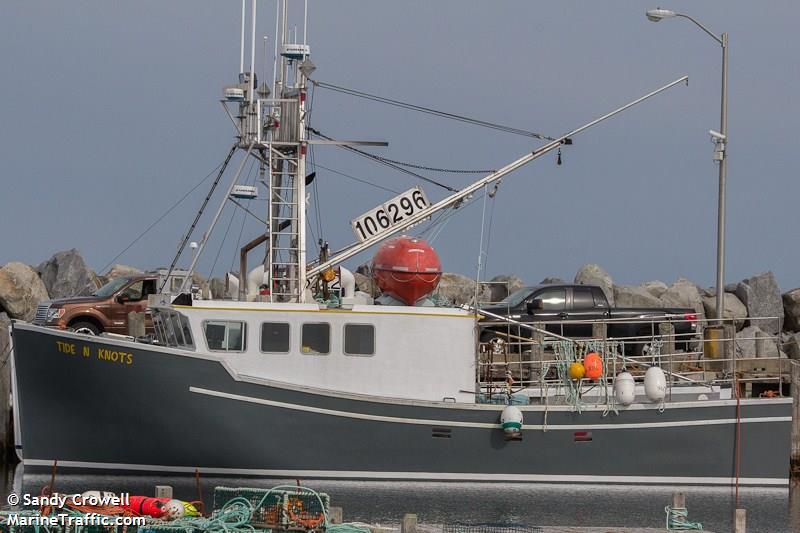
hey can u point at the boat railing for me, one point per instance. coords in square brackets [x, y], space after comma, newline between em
[722, 357]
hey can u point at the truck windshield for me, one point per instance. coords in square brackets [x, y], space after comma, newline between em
[516, 297]
[111, 287]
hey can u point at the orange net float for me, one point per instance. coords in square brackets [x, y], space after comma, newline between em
[593, 364]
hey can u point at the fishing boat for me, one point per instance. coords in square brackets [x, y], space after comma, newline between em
[299, 374]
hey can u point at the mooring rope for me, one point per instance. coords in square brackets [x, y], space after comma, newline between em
[677, 520]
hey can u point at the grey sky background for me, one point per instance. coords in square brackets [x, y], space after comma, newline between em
[110, 113]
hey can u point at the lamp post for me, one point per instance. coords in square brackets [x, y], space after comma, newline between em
[719, 139]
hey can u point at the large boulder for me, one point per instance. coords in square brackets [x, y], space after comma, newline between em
[66, 274]
[683, 293]
[634, 296]
[761, 296]
[217, 288]
[4, 323]
[366, 284]
[592, 274]
[656, 288]
[746, 343]
[503, 285]
[21, 290]
[460, 289]
[792, 346]
[118, 271]
[734, 309]
[791, 310]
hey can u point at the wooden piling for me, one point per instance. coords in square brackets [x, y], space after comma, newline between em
[409, 523]
[667, 333]
[335, 515]
[679, 502]
[794, 450]
[740, 521]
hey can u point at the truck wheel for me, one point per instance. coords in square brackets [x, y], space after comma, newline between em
[87, 328]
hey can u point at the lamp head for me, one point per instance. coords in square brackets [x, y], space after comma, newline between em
[655, 15]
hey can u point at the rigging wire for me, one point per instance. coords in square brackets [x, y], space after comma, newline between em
[383, 161]
[221, 244]
[431, 111]
[360, 180]
[160, 218]
[312, 153]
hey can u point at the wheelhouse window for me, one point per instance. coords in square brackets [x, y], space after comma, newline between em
[275, 337]
[224, 335]
[316, 339]
[172, 329]
[359, 339]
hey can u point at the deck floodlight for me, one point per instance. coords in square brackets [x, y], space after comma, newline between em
[655, 15]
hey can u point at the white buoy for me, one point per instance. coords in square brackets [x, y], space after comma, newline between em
[655, 384]
[174, 509]
[624, 386]
[511, 421]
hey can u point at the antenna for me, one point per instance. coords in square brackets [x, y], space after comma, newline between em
[266, 44]
[305, 21]
[275, 57]
[252, 51]
[241, 46]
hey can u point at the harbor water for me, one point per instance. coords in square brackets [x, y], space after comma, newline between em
[385, 503]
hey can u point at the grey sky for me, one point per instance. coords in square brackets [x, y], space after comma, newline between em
[110, 113]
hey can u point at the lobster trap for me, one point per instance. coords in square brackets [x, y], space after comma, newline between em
[295, 509]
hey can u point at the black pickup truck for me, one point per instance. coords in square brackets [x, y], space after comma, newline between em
[568, 309]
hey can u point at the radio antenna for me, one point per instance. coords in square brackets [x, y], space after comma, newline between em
[241, 42]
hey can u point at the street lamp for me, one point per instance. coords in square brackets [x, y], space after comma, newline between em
[719, 139]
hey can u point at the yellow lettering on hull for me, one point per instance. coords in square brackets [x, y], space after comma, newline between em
[103, 354]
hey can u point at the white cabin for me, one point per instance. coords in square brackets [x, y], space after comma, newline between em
[418, 353]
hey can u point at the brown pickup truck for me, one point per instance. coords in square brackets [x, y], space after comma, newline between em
[104, 311]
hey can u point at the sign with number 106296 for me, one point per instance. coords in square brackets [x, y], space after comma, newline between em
[394, 212]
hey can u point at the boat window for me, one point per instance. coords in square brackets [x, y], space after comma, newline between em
[158, 327]
[224, 335]
[187, 331]
[316, 339]
[275, 337]
[359, 339]
[172, 329]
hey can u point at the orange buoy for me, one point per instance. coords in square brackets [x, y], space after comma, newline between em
[145, 506]
[593, 364]
[407, 269]
[576, 370]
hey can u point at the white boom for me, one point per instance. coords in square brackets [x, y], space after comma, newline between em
[463, 193]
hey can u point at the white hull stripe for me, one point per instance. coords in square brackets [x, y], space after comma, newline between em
[454, 423]
[419, 476]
